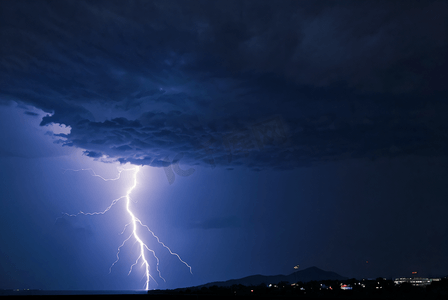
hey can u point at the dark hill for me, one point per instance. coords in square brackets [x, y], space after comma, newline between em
[309, 274]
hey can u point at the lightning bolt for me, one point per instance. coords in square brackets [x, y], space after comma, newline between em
[134, 223]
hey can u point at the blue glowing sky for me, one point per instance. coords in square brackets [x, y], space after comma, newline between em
[268, 135]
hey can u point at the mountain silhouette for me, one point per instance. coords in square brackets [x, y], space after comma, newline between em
[309, 274]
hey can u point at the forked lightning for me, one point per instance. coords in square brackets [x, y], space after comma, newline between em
[134, 223]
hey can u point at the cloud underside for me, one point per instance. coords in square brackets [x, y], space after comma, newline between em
[232, 83]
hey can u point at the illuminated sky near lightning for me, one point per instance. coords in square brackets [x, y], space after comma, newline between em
[355, 167]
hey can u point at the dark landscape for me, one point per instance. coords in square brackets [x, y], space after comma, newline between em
[310, 283]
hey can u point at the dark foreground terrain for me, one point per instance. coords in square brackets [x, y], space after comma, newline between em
[328, 289]
[351, 289]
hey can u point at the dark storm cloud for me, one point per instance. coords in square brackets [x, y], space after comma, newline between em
[143, 81]
[30, 113]
[93, 154]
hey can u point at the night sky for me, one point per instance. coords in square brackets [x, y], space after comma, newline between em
[269, 134]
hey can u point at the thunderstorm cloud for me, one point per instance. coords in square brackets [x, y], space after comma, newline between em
[260, 84]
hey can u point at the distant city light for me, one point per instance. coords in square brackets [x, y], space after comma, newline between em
[416, 281]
